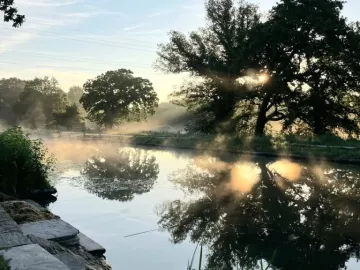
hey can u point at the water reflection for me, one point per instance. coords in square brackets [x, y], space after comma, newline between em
[244, 212]
[120, 175]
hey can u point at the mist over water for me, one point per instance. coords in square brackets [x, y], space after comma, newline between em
[241, 209]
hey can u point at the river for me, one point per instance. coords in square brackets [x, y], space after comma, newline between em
[243, 211]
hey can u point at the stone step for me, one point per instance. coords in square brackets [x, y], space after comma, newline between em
[54, 229]
[72, 262]
[90, 245]
[10, 233]
[32, 257]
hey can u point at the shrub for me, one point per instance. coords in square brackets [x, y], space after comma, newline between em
[24, 164]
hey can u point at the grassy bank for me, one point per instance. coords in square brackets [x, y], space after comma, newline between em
[310, 148]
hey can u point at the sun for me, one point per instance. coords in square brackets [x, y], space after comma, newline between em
[263, 78]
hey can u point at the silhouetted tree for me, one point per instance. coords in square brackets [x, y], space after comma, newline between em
[219, 54]
[11, 13]
[311, 47]
[74, 94]
[308, 224]
[10, 90]
[118, 96]
[39, 100]
[120, 175]
[300, 63]
[70, 118]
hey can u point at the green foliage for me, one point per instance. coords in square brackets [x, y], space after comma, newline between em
[39, 100]
[10, 89]
[319, 57]
[70, 118]
[328, 147]
[118, 96]
[305, 51]
[11, 13]
[218, 54]
[24, 164]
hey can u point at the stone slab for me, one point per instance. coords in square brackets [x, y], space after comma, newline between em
[13, 239]
[72, 262]
[54, 229]
[32, 257]
[90, 245]
[10, 233]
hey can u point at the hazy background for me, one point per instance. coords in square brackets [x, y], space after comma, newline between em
[75, 40]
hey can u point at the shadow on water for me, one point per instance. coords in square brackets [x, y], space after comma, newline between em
[247, 210]
[121, 174]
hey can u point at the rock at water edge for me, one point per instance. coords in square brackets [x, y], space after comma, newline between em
[32, 257]
[90, 245]
[55, 229]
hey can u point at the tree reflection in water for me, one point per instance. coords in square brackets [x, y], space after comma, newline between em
[308, 215]
[120, 175]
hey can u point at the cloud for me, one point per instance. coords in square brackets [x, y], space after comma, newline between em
[135, 26]
[88, 14]
[47, 3]
[14, 40]
[160, 13]
[41, 15]
[193, 6]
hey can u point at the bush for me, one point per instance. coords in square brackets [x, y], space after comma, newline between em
[24, 164]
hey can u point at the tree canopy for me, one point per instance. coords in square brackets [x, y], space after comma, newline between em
[298, 65]
[10, 89]
[69, 118]
[39, 100]
[118, 96]
[11, 13]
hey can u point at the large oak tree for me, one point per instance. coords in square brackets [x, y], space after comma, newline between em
[118, 96]
[305, 53]
[219, 55]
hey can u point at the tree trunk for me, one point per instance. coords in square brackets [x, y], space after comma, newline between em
[319, 127]
[109, 125]
[261, 118]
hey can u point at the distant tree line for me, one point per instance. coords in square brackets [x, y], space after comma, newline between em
[298, 65]
[39, 103]
[108, 100]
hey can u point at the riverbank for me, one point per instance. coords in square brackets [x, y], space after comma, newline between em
[328, 149]
[30, 236]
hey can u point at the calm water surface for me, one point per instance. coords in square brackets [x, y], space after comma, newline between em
[244, 211]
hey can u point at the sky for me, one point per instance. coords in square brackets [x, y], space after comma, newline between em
[77, 40]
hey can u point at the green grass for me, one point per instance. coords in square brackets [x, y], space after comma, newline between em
[24, 164]
[191, 263]
[332, 148]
